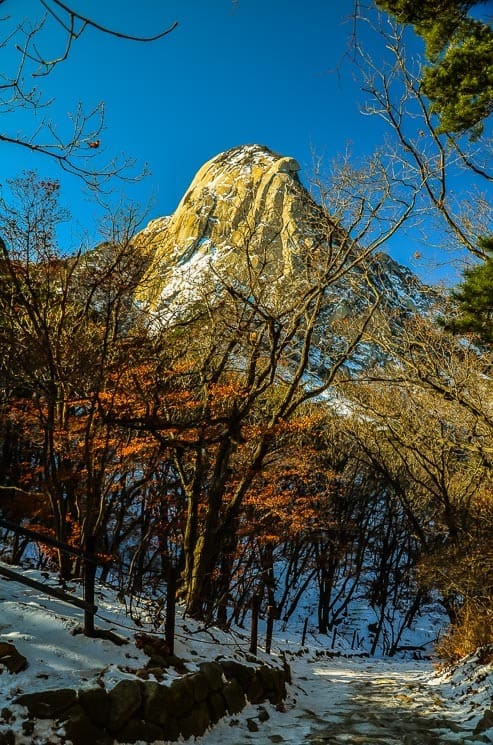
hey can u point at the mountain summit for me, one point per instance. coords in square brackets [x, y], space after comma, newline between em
[247, 213]
[246, 197]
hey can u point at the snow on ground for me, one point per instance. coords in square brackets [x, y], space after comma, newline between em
[365, 701]
[333, 699]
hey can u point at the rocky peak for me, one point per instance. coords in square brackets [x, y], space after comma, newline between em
[247, 196]
[246, 214]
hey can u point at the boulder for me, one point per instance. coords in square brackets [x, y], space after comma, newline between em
[138, 729]
[181, 691]
[267, 676]
[486, 722]
[195, 723]
[47, 704]
[125, 700]
[157, 706]
[157, 672]
[200, 686]
[171, 730]
[256, 691]
[243, 674]
[234, 697]
[96, 704]
[217, 707]
[263, 714]
[278, 693]
[287, 165]
[157, 661]
[81, 731]
[10, 658]
[28, 727]
[252, 725]
[214, 674]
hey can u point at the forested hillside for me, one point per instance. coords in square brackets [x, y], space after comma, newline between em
[246, 444]
[248, 399]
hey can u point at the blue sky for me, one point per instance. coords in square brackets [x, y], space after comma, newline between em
[264, 71]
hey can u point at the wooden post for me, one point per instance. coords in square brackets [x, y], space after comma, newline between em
[334, 637]
[271, 611]
[303, 636]
[169, 625]
[255, 604]
[89, 582]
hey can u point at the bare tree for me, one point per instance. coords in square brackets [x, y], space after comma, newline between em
[248, 346]
[426, 423]
[64, 328]
[21, 92]
[436, 163]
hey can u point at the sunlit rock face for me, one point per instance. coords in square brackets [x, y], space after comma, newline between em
[246, 210]
[248, 225]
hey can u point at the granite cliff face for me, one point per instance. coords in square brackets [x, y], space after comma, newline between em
[245, 208]
[247, 219]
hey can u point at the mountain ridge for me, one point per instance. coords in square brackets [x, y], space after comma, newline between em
[247, 219]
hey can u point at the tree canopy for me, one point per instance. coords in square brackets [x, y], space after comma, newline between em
[459, 77]
[474, 297]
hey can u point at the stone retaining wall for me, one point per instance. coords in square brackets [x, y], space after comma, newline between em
[146, 710]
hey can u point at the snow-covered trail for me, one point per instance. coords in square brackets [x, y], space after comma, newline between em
[385, 706]
[357, 702]
[332, 700]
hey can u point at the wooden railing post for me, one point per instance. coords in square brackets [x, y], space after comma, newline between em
[303, 635]
[169, 627]
[254, 632]
[271, 612]
[89, 584]
[88, 557]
